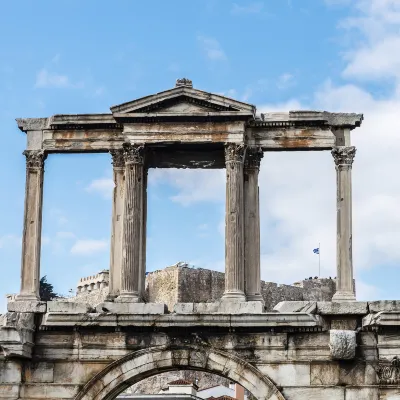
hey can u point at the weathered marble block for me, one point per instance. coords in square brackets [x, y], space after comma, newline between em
[342, 344]
[27, 306]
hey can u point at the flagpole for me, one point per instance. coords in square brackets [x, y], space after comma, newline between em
[319, 260]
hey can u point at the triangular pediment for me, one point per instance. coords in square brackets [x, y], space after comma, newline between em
[183, 100]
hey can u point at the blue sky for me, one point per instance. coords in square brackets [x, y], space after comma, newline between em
[83, 57]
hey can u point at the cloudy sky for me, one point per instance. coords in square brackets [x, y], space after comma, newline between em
[83, 57]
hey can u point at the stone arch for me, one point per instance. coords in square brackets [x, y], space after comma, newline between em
[134, 367]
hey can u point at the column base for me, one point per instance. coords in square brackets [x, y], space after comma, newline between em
[255, 297]
[111, 297]
[128, 298]
[236, 296]
[344, 296]
[26, 297]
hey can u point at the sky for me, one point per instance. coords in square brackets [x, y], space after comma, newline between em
[280, 55]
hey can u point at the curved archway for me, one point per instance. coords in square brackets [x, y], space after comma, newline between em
[134, 367]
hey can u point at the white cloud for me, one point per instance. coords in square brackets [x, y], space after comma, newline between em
[232, 93]
[211, 48]
[249, 8]
[285, 80]
[376, 61]
[102, 186]
[193, 186]
[88, 247]
[46, 79]
[375, 44]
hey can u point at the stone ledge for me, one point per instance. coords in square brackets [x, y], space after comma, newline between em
[324, 307]
[223, 307]
[131, 308]
[384, 305]
[27, 306]
[309, 307]
[342, 308]
[382, 319]
[265, 320]
[67, 306]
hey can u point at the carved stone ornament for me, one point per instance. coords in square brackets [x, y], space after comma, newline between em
[118, 160]
[344, 155]
[35, 158]
[133, 153]
[183, 82]
[253, 157]
[389, 372]
[234, 152]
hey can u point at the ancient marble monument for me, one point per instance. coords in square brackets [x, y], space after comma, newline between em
[340, 349]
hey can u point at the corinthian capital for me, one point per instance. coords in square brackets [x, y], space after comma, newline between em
[234, 152]
[344, 155]
[35, 158]
[118, 160]
[133, 153]
[253, 158]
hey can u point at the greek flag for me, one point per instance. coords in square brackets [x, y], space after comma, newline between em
[316, 251]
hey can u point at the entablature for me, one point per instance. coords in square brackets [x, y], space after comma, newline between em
[187, 116]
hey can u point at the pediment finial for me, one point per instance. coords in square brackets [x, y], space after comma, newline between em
[183, 82]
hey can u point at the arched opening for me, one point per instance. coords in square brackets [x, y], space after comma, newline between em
[134, 367]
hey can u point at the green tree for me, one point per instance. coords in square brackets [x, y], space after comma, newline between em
[46, 290]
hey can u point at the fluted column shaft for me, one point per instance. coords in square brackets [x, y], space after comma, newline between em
[252, 225]
[344, 157]
[143, 234]
[234, 227]
[32, 233]
[132, 221]
[118, 162]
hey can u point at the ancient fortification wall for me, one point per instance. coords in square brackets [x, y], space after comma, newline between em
[183, 284]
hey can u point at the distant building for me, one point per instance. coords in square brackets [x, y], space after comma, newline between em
[220, 392]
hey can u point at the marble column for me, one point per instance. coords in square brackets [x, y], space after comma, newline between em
[118, 162]
[142, 281]
[344, 156]
[132, 224]
[252, 225]
[31, 237]
[234, 224]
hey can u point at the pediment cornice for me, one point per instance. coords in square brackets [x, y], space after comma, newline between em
[183, 100]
